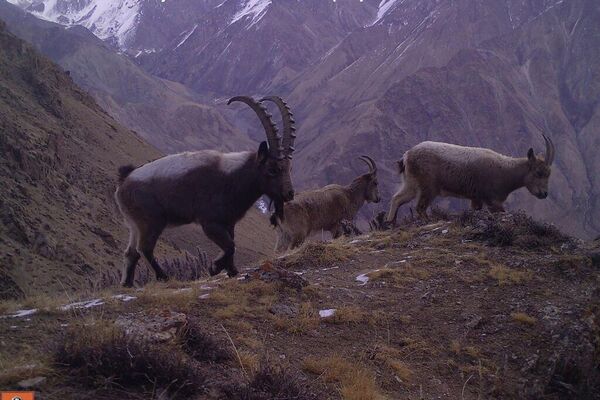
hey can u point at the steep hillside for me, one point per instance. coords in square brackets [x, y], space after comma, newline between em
[471, 307]
[166, 114]
[60, 151]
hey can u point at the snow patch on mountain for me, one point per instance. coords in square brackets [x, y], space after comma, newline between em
[252, 8]
[108, 19]
[187, 36]
[384, 7]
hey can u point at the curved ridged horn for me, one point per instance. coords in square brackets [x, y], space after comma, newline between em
[289, 128]
[550, 151]
[369, 161]
[273, 139]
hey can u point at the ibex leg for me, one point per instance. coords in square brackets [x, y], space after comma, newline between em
[495, 206]
[146, 245]
[476, 204]
[222, 236]
[132, 256]
[403, 196]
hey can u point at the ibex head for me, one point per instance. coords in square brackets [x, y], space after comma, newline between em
[537, 177]
[372, 186]
[275, 154]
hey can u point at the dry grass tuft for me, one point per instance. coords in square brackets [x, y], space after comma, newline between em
[401, 370]
[390, 357]
[271, 382]
[231, 311]
[158, 295]
[348, 315]
[104, 357]
[44, 303]
[508, 276]
[250, 362]
[307, 320]
[455, 347]
[523, 318]
[356, 382]
[14, 369]
[199, 345]
[237, 299]
[516, 229]
[320, 254]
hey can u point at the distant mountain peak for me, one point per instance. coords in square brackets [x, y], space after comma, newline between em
[254, 9]
[111, 20]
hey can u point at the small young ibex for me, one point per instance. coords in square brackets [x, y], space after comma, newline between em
[207, 187]
[325, 209]
[481, 175]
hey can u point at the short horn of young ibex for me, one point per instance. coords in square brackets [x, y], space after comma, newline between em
[325, 208]
[207, 187]
[481, 175]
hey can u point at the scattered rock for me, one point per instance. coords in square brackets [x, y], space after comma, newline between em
[287, 310]
[82, 304]
[474, 322]
[32, 382]
[268, 273]
[43, 245]
[106, 237]
[124, 297]
[22, 313]
[330, 312]
[156, 328]
[362, 278]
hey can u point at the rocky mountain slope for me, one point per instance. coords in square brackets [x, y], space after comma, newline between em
[59, 229]
[378, 76]
[471, 307]
[166, 114]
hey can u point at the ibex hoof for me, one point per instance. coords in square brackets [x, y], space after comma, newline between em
[231, 272]
[214, 270]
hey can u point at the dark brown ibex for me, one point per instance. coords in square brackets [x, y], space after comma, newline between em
[481, 175]
[207, 187]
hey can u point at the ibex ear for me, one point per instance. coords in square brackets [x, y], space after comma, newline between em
[263, 153]
[531, 155]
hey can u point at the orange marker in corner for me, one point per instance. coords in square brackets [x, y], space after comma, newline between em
[17, 395]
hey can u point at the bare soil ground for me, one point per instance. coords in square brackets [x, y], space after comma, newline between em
[469, 307]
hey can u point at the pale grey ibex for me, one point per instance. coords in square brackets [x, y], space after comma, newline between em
[207, 187]
[481, 175]
[325, 208]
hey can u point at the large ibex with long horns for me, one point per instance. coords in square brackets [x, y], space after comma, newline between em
[481, 175]
[207, 187]
[325, 208]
